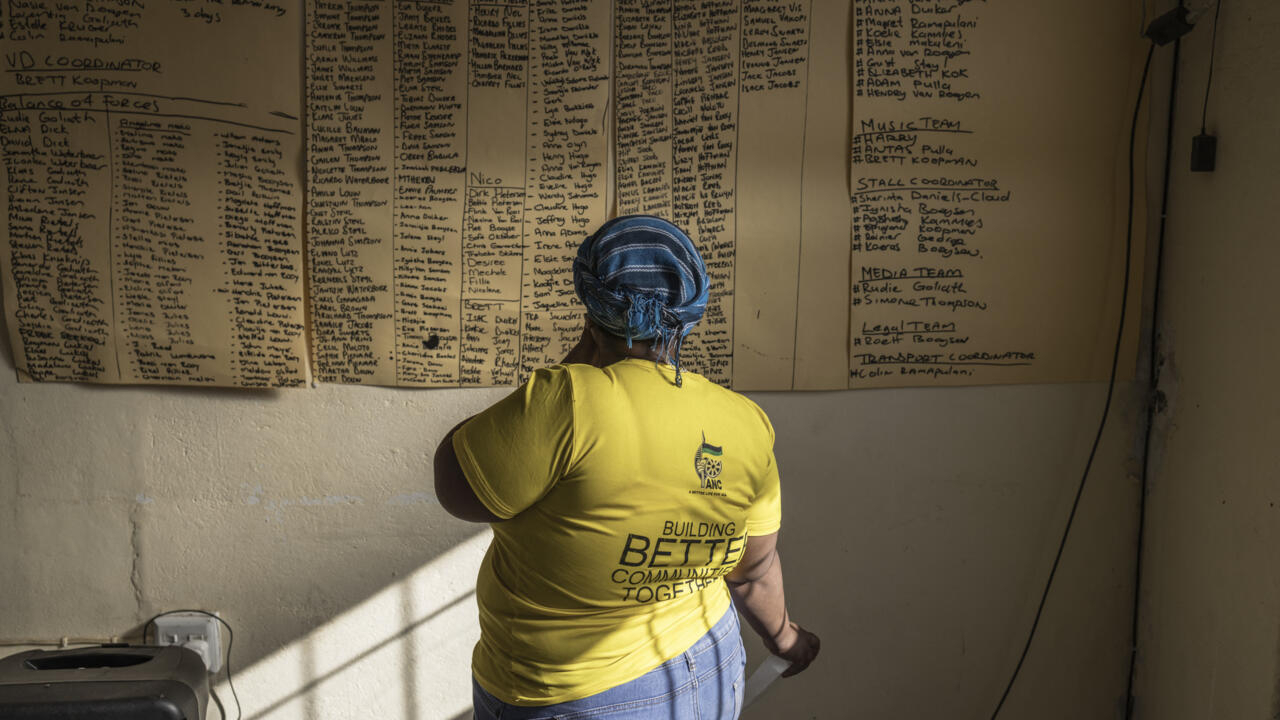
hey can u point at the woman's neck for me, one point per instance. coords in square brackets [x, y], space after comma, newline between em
[608, 356]
[611, 349]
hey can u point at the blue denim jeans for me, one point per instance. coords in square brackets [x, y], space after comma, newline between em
[703, 683]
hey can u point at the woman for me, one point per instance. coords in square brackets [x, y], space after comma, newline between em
[630, 500]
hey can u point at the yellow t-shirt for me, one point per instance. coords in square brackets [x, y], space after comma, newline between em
[630, 499]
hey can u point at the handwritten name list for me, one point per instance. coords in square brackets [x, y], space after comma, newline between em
[984, 191]
[458, 151]
[712, 99]
[153, 199]
[457, 157]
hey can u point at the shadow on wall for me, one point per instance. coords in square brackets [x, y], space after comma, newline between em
[351, 591]
[305, 518]
[404, 652]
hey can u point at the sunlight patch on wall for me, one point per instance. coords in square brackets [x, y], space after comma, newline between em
[402, 654]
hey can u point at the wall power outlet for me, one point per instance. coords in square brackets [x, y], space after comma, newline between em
[195, 631]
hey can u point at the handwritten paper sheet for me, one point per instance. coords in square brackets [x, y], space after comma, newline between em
[988, 188]
[460, 152]
[153, 195]
[458, 156]
[713, 106]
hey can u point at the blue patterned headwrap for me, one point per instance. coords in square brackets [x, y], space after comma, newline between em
[641, 278]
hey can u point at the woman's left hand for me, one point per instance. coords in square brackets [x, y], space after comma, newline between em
[796, 644]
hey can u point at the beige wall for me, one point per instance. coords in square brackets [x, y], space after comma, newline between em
[919, 526]
[1210, 624]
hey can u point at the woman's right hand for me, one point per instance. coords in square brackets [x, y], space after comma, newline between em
[796, 644]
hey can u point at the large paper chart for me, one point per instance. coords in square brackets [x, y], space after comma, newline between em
[459, 152]
[458, 155]
[713, 104]
[943, 203]
[989, 190]
[152, 191]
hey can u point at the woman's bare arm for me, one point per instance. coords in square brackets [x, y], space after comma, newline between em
[756, 585]
[452, 489]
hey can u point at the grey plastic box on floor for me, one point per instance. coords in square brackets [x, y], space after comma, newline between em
[104, 683]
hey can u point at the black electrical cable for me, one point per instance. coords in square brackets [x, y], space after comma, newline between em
[231, 638]
[1111, 387]
[1153, 367]
[222, 712]
[1208, 83]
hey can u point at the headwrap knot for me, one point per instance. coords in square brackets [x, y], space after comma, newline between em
[641, 278]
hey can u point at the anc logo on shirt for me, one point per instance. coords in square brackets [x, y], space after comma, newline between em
[706, 462]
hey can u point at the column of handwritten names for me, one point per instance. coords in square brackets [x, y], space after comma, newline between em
[156, 249]
[923, 199]
[494, 211]
[643, 86]
[349, 150]
[444, 257]
[59, 278]
[687, 51]
[258, 206]
[704, 140]
[567, 101]
[430, 188]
